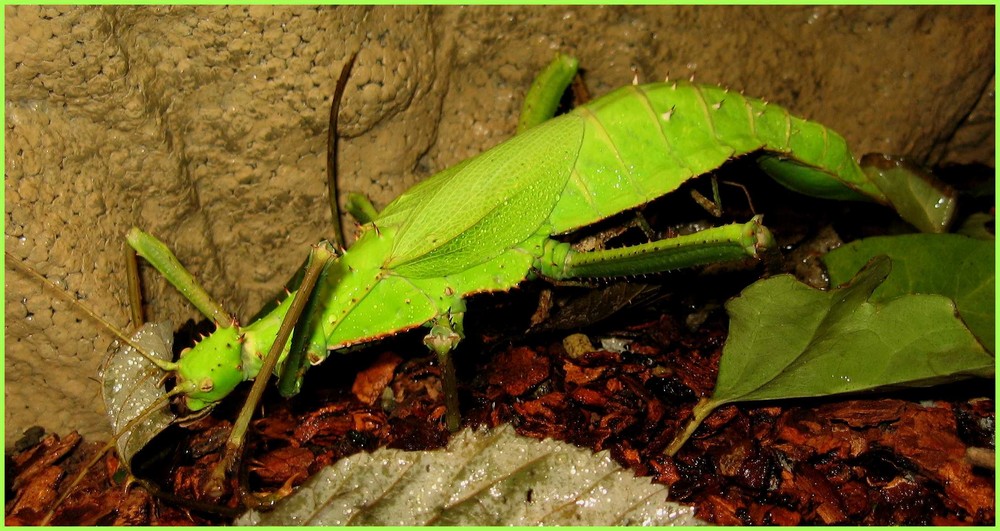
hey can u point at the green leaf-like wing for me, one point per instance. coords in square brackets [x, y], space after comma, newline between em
[788, 340]
[480, 208]
[958, 267]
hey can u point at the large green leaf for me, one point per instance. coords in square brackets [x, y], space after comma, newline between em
[787, 340]
[958, 267]
[482, 478]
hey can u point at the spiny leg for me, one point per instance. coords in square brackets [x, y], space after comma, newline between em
[319, 257]
[718, 244]
[297, 361]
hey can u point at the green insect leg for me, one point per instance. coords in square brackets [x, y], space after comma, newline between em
[159, 255]
[442, 339]
[320, 256]
[304, 336]
[542, 99]
[361, 208]
[718, 244]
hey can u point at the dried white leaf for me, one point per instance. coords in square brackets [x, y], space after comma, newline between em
[485, 477]
[131, 386]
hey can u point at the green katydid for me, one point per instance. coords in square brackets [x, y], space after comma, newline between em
[486, 223]
[490, 222]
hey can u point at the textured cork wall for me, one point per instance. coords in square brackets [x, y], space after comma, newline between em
[207, 127]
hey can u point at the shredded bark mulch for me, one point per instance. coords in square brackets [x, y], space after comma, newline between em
[914, 458]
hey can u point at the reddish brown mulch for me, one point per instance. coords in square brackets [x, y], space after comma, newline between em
[883, 461]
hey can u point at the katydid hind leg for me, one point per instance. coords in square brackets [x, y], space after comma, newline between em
[718, 244]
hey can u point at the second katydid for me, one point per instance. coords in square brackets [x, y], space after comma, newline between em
[490, 223]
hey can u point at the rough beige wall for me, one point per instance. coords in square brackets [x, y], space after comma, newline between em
[206, 126]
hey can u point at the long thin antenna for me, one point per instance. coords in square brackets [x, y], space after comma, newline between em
[20, 266]
[331, 154]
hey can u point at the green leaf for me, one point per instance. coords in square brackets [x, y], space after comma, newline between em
[482, 478]
[916, 194]
[787, 340]
[958, 267]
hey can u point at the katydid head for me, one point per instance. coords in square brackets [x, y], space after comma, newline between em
[210, 370]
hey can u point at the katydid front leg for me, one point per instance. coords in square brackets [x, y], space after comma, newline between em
[159, 255]
[320, 256]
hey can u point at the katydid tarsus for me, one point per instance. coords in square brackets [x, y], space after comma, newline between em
[493, 221]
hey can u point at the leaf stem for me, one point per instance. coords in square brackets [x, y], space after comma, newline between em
[701, 411]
